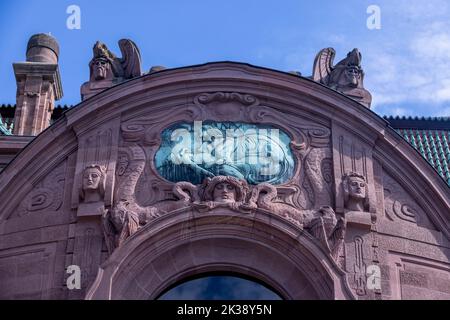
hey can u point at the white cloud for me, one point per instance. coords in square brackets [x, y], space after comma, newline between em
[421, 9]
[406, 63]
[413, 66]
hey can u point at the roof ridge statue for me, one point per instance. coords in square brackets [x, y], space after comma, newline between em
[107, 70]
[347, 76]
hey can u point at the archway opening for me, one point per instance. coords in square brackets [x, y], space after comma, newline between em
[220, 286]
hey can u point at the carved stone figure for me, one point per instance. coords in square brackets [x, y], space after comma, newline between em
[355, 192]
[329, 229]
[322, 224]
[222, 191]
[125, 220]
[106, 69]
[93, 184]
[228, 149]
[102, 65]
[127, 215]
[92, 191]
[346, 77]
[356, 199]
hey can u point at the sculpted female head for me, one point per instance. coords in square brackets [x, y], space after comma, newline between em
[93, 180]
[225, 189]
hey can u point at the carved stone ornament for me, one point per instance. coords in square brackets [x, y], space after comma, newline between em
[399, 204]
[106, 69]
[47, 196]
[346, 77]
[145, 190]
[127, 215]
[92, 191]
[356, 200]
[221, 192]
[329, 229]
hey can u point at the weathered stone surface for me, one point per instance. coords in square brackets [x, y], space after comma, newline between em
[413, 279]
[88, 192]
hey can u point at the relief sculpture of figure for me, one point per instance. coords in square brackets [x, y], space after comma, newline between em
[355, 192]
[92, 191]
[346, 77]
[356, 200]
[222, 191]
[93, 184]
[127, 216]
[328, 229]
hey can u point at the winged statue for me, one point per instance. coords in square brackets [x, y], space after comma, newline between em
[106, 69]
[347, 76]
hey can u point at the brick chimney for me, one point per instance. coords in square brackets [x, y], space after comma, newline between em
[38, 85]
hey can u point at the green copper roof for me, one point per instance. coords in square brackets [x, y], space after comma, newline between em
[3, 128]
[430, 136]
[434, 145]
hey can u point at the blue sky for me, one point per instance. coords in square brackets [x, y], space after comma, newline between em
[407, 61]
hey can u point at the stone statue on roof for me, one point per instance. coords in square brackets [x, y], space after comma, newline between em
[346, 77]
[107, 70]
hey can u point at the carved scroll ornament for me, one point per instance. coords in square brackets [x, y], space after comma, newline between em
[138, 182]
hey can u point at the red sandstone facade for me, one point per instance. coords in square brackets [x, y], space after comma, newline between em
[86, 192]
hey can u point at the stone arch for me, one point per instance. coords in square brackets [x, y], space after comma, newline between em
[355, 137]
[219, 274]
[287, 93]
[183, 244]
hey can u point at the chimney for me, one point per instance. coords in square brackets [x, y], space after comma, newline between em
[38, 85]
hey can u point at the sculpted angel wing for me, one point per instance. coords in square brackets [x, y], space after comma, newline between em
[131, 59]
[323, 65]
